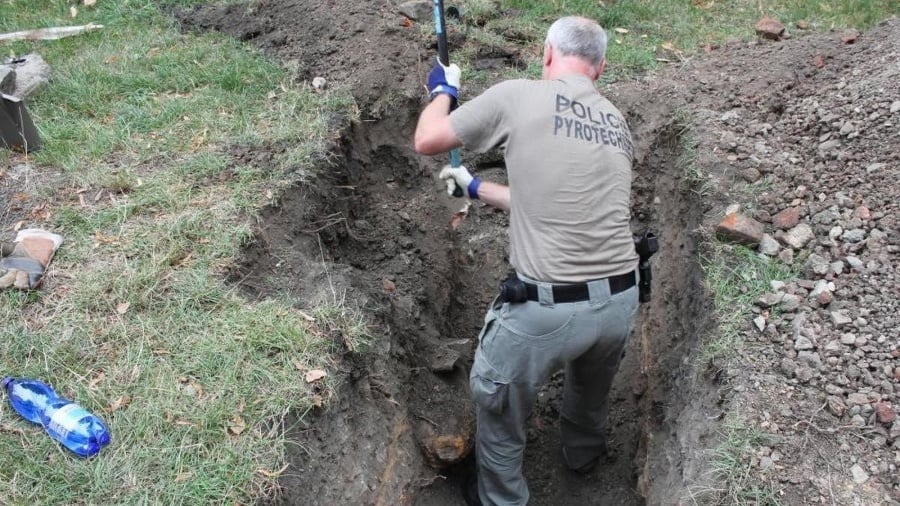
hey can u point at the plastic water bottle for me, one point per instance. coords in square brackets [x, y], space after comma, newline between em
[70, 424]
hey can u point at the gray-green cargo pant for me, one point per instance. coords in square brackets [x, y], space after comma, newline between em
[520, 346]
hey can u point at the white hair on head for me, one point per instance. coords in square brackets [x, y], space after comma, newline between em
[577, 36]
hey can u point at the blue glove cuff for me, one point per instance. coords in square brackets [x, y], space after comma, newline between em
[444, 88]
[473, 188]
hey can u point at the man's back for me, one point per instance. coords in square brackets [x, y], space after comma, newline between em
[568, 154]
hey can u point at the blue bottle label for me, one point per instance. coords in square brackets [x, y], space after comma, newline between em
[66, 418]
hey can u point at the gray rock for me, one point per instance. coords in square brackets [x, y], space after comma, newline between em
[804, 374]
[895, 431]
[790, 303]
[829, 145]
[876, 238]
[839, 319]
[875, 167]
[417, 10]
[855, 263]
[810, 359]
[895, 106]
[834, 347]
[444, 360]
[319, 83]
[848, 338]
[825, 298]
[769, 246]
[786, 255]
[769, 299]
[730, 116]
[835, 232]
[788, 367]
[844, 200]
[826, 217]
[855, 235]
[857, 399]
[776, 285]
[817, 264]
[760, 323]
[836, 267]
[820, 287]
[802, 343]
[836, 406]
[832, 389]
[751, 175]
[798, 236]
[860, 476]
[32, 75]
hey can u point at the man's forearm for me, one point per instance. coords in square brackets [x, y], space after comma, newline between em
[494, 195]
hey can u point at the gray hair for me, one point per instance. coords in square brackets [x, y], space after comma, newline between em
[577, 36]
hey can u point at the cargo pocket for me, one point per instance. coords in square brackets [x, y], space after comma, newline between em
[490, 390]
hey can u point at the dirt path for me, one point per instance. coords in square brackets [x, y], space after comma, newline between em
[375, 229]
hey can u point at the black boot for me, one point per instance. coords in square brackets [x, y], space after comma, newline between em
[470, 490]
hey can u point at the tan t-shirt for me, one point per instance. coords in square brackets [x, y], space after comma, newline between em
[568, 155]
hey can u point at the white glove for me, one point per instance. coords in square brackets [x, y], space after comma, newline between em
[452, 73]
[457, 177]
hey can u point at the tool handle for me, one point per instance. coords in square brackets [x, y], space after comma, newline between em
[440, 28]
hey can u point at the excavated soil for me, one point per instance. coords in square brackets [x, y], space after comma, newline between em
[800, 134]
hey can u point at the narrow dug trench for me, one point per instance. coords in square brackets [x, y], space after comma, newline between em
[375, 231]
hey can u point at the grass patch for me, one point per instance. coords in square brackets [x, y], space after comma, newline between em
[645, 33]
[738, 481]
[691, 174]
[736, 276]
[137, 325]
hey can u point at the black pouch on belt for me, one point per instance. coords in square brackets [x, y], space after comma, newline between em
[512, 289]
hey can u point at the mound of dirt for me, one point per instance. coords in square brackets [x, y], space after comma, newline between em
[368, 46]
[806, 130]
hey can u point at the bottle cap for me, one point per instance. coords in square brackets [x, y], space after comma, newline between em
[6, 381]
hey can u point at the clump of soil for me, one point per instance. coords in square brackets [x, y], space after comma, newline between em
[810, 121]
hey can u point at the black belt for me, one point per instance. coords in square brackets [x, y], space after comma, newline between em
[579, 291]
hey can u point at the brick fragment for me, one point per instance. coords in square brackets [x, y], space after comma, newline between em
[741, 229]
[769, 28]
[884, 413]
[786, 218]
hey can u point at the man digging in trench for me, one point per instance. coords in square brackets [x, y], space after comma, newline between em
[572, 301]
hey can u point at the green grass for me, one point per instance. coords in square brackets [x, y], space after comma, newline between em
[669, 30]
[691, 174]
[138, 324]
[736, 277]
[737, 480]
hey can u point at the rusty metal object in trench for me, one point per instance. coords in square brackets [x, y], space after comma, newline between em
[444, 426]
[449, 446]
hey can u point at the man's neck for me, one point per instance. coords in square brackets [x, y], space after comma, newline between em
[570, 65]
